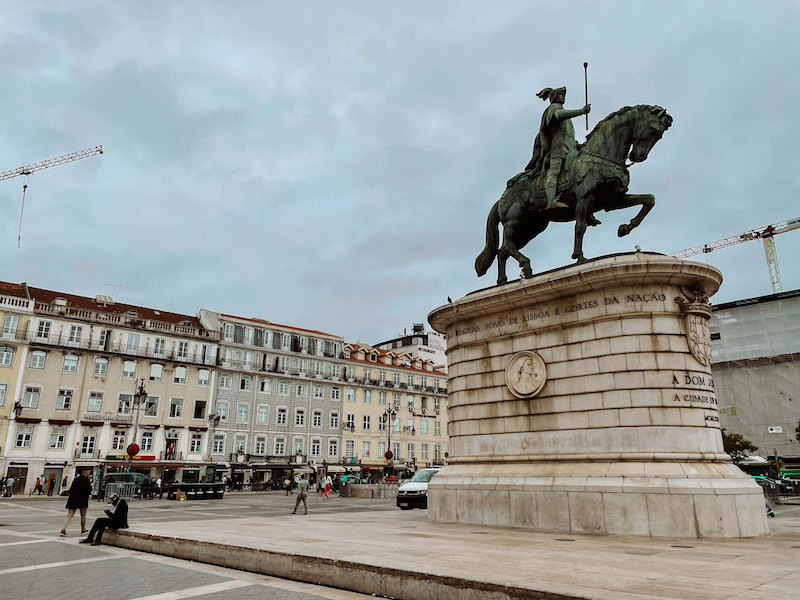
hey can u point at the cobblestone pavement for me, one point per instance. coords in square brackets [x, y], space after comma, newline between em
[36, 563]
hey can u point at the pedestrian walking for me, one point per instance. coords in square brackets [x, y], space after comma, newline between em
[37, 487]
[64, 484]
[320, 487]
[10, 486]
[159, 489]
[302, 492]
[78, 499]
[116, 518]
[288, 485]
[51, 484]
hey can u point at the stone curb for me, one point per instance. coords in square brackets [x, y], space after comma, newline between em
[389, 582]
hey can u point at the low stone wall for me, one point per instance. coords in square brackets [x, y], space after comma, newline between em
[373, 490]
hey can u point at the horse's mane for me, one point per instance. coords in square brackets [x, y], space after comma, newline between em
[654, 110]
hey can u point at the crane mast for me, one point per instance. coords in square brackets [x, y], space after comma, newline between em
[766, 234]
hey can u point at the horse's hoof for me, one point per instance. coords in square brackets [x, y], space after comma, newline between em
[527, 274]
[579, 260]
[502, 281]
[624, 230]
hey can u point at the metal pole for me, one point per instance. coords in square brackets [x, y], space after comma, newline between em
[586, 89]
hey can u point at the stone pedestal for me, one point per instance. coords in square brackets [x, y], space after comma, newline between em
[582, 400]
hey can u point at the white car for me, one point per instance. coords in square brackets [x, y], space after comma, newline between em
[414, 492]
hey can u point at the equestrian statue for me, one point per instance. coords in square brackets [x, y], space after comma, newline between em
[566, 181]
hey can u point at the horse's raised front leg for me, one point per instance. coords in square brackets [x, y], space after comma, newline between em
[581, 222]
[646, 201]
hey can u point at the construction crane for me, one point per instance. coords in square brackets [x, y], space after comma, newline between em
[766, 234]
[45, 164]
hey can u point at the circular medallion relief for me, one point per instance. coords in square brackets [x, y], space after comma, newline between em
[526, 374]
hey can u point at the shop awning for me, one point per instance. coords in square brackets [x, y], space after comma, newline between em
[302, 469]
[336, 469]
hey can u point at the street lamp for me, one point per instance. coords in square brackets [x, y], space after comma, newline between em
[138, 399]
[388, 418]
[17, 409]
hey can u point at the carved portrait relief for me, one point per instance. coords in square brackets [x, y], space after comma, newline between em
[526, 374]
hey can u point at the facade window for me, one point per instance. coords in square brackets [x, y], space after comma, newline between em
[367, 397]
[283, 388]
[261, 445]
[334, 393]
[244, 383]
[382, 376]
[351, 373]
[318, 368]
[299, 417]
[24, 436]
[88, 442]
[147, 441]
[218, 444]
[151, 406]
[298, 446]
[397, 401]
[367, 375]
[199, 409]
[203, 377]
[351, 395]
[133, 343]
[57, 437]
[247, 359]
[336, 371]
[262, 415]
[382, 422]
[424, 451]
[156, 371]
[129, 369]
[396, 378]
[280, 446]
[3, 393]
[396, 424]
[334, 420]
[366, 422]
[6, 356]
[381, 449]
[222, 411]
[227, 332]
[30, 399]
[410, 381]
[95, 402]
[225, 381]
[70, 364]
[316, 447]
[101, 367]
[265, 387]
[242, 413]
[365, 446]
[38, 359]
[423, 426]
[239, 443]
[183, 350]
[318, 392]
[179, 375]
[283, 364]
[437, 404]
[196, 442]
[349, 449]
[396, 451]
[249, 335]
[410, 402]
[282, 415]
[435, 385]
[437, 428]
[301, 389]
[43, 331]
[159, 347]
[333, 448]
[226, 357]
[176, 408]
[437, 452]
[10, 326]
[424, 382]
[316, 420]
[350, 421]
[286, 340]
[410, 450]
[124, 404]
[381, 397]
[118, 441]
[409, 425]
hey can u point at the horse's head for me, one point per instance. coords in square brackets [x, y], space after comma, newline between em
[651, 124]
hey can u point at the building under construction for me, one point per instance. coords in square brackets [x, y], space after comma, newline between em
[756, 367]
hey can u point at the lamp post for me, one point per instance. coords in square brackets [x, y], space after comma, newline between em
[138, 399]
[389, 415]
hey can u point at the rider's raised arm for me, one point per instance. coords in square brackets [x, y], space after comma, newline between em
[562, 114]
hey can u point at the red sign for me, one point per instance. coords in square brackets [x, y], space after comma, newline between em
[133, 449]
[388, 455]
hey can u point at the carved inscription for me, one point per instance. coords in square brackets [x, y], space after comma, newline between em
[563, 309]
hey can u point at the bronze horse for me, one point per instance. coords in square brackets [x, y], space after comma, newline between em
[595, 179]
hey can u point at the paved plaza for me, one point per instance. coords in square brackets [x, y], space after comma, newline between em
[36, 563]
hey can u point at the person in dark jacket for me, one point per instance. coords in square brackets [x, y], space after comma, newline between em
[117, 518]
[78, 499]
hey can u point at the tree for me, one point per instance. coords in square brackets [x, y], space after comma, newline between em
[737, 445]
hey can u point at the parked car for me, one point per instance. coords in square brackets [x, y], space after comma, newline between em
[414, 492]
[144, 485]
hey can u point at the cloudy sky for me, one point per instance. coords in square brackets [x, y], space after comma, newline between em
[331, 164]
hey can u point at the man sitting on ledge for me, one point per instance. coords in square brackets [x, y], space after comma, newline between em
[117, 519]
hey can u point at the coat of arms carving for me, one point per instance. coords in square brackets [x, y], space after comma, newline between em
[697, 309]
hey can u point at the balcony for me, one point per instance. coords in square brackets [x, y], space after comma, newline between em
[170, 456]
[78, 454]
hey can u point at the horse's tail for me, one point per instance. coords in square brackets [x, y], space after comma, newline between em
[486, 258]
